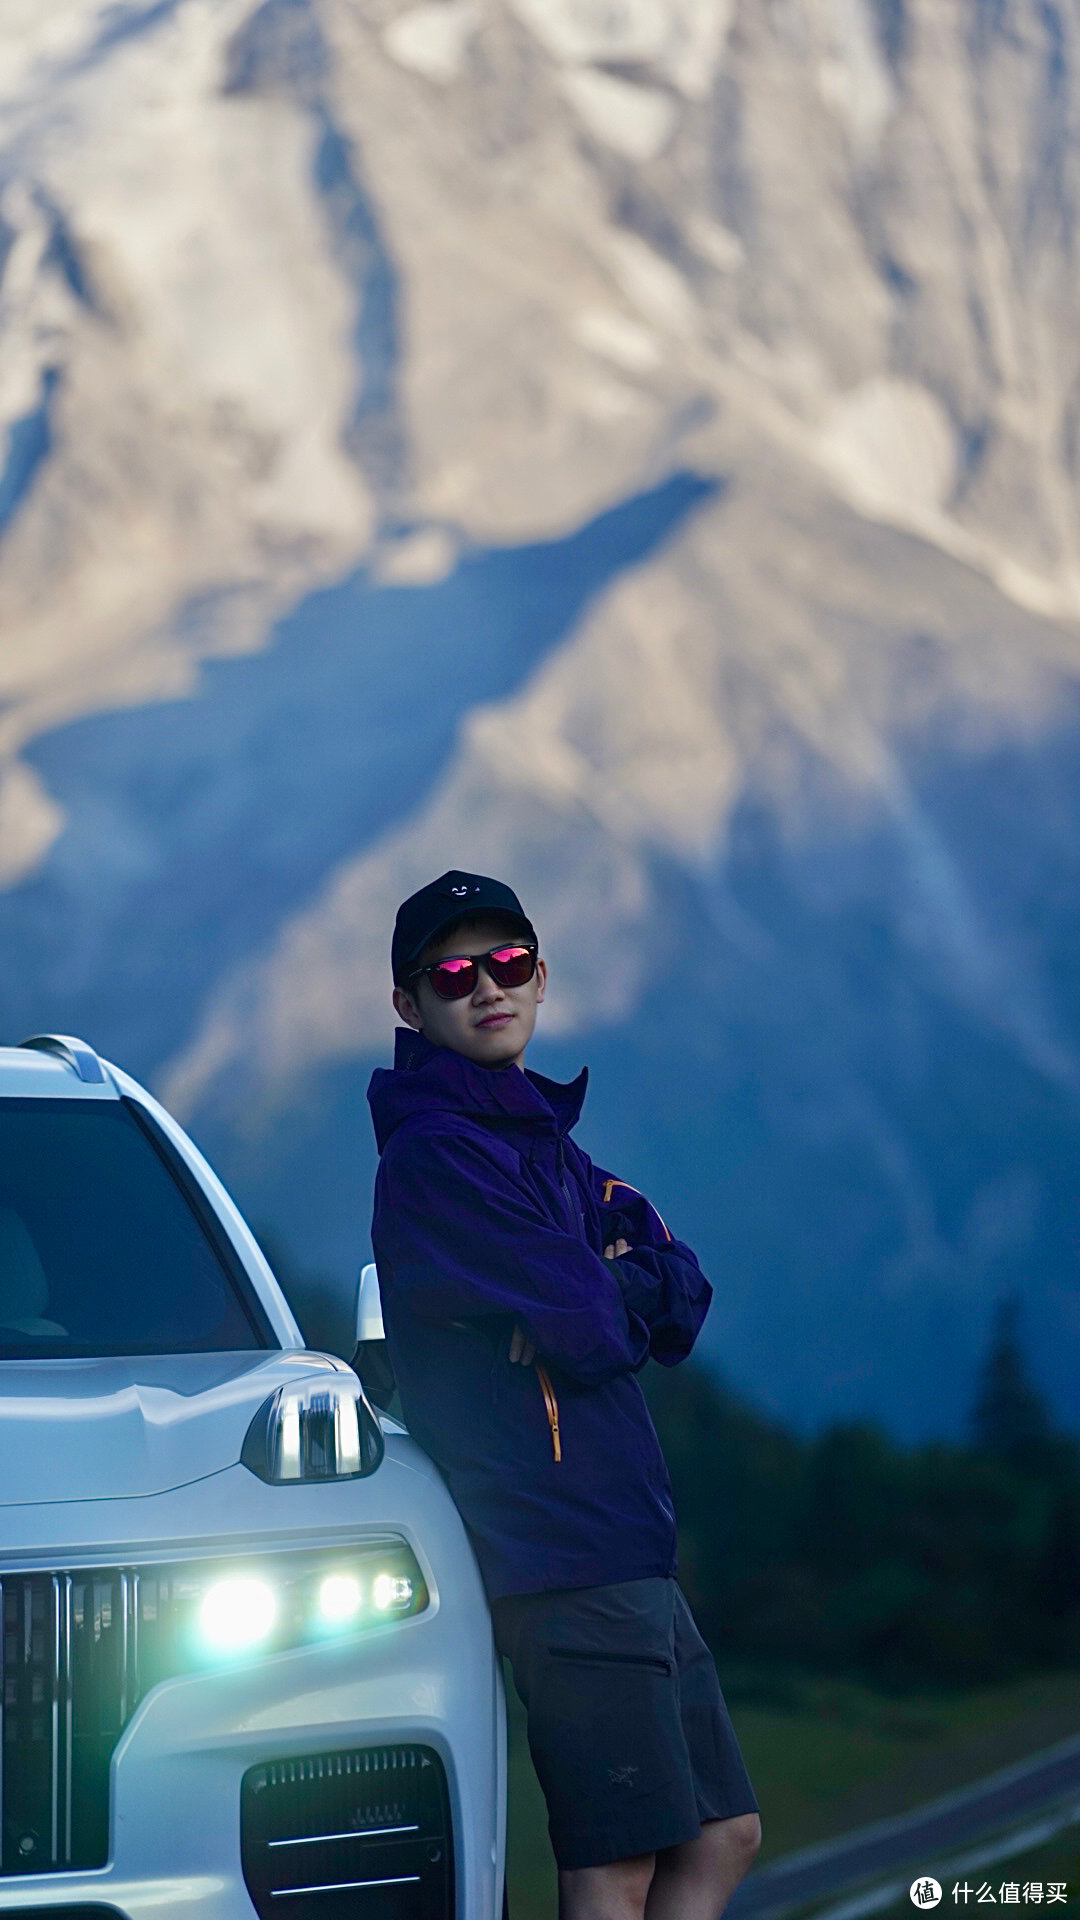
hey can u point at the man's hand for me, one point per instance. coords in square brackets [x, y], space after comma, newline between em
[521, 1349]
[613, 1252]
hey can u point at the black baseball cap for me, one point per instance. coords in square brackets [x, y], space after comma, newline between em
[424, 915]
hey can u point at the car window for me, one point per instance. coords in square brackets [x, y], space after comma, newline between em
[102, 1247]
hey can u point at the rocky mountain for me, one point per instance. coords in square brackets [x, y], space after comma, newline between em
[627, 445]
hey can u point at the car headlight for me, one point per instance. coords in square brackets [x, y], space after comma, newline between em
[320, 1429]
[192, 1615]
[237, 1612]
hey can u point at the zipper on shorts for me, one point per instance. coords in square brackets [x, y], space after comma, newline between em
[599, 1657]
[552, 1406]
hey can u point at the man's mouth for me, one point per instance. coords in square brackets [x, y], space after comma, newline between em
[495, 1020]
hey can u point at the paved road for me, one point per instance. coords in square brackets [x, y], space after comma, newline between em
[919, 1837]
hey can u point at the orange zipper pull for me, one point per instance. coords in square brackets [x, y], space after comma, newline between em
[552, 1407]
[609, 1184]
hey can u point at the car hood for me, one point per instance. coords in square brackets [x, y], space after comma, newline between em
[123, 1428]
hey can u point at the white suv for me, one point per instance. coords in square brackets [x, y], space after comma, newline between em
[246, 1661]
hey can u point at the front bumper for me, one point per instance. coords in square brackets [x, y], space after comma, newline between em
[175, 1792]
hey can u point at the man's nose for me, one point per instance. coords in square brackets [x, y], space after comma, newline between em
[486, 988]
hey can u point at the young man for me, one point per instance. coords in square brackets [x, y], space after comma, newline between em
[523, 1290]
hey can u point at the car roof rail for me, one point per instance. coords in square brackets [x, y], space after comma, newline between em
[74, 1053]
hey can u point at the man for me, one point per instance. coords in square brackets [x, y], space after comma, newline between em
[523, 1290]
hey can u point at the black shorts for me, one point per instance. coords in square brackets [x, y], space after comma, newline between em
[627, 1726]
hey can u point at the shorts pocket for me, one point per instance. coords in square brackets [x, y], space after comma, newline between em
[607, 1743]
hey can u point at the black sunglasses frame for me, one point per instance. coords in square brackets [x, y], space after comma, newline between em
[528, 946]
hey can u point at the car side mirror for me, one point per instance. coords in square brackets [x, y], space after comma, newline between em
[369, 1320]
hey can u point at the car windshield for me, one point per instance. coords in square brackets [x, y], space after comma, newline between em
[104, 1248]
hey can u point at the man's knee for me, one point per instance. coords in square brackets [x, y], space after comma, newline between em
[617, 1891]
[738, 1839]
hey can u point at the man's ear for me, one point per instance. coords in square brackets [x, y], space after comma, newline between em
[406, 1006]
[541, 978]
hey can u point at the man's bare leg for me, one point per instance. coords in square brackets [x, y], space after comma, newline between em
[696, 1880]
[614, 1892]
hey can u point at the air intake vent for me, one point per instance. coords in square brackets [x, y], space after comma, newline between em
[68, 1662]
[336, 1835]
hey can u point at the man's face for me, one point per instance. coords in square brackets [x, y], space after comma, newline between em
[492, 1025]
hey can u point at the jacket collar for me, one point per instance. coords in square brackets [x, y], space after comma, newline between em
[425, 1077]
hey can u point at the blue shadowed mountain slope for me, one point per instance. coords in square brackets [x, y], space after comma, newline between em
[29, 440]
[195, 827]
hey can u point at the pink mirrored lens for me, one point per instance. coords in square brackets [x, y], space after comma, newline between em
[511, 966]
[453, 979]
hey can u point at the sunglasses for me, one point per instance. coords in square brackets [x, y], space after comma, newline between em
[457, 975]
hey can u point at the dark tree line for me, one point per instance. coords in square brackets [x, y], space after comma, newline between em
[942, 1564]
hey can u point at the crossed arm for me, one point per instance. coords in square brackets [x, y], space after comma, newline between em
[463, 1239]
[522, 1349]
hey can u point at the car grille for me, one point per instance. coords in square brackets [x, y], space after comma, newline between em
[328, 1836]
[77, 1653]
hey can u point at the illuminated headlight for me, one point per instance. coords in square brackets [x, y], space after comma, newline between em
[237, 1614]
[391, 1592]
[225, 1613]
[320, 1429]
[341, 1597]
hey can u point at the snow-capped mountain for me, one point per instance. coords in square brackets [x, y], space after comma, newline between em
[626, 445]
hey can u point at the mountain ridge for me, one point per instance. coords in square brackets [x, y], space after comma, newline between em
[337, 337]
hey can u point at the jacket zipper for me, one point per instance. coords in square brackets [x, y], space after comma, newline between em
[560, 1161]
[552, 1406]
[550, 1403]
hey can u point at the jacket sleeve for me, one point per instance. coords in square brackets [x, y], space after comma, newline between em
[462, 1238]
[660, 1278]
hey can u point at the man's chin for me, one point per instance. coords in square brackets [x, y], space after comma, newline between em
[495, 1056]
[499, 1046]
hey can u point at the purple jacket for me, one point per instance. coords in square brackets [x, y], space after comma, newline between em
[487, 1214]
